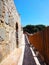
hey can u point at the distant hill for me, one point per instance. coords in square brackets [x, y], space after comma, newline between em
[33, 28]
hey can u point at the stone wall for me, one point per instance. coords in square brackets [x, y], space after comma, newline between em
[8, 18]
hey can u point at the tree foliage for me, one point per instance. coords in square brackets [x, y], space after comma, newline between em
[33, 28]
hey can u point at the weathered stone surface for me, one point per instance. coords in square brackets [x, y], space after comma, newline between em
[8, 18]
[13, 58]
[2, 34]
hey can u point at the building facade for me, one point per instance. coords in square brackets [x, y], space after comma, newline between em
[9, 21]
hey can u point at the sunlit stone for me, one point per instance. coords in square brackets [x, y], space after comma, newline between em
[8, 43]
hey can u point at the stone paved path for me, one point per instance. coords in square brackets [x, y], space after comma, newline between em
[28, 56]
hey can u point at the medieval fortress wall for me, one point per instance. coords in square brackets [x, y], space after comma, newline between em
[8, 19]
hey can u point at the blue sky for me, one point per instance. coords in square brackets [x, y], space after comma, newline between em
[33, 11]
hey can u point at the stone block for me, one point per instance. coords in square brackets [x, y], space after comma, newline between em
[12, 58]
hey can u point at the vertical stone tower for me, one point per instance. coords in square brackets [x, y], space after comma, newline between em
[9, 20]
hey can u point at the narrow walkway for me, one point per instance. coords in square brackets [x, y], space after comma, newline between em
[30, 57]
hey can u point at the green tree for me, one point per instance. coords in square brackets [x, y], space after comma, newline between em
[33, 28]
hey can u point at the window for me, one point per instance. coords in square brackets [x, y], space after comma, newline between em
[16, 26]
